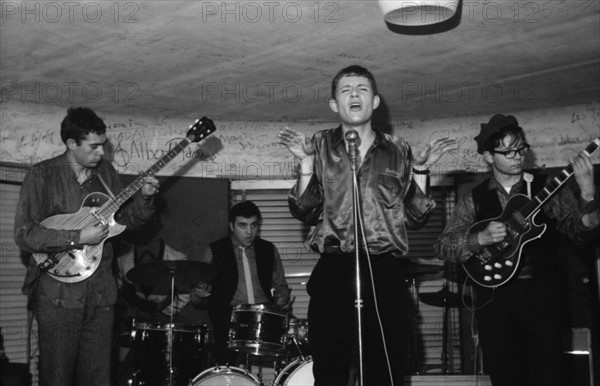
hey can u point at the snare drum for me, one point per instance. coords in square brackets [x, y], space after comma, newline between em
[224, 376]
[297, 373]
[257, 329]
[153, 356]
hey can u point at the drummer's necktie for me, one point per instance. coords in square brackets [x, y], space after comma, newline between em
[248, 276]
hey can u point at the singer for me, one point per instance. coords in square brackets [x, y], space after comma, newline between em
[392, 183]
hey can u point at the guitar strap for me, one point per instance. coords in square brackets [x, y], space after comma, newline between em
[110, 193]
[486, 202]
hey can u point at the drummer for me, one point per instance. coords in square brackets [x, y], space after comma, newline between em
[153, 304]
[249, 272]
[185, 308]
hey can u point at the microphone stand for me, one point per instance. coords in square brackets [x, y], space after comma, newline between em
[358, 302]
[170, 336]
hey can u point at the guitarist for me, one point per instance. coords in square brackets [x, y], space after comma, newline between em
[75, 320]
[519, 322]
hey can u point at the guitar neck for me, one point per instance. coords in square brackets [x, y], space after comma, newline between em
[554, 186]
[113, 205]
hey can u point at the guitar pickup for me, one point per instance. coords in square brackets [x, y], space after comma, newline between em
[511, 232]
[101, 219]
[483, 254]
[48, 264]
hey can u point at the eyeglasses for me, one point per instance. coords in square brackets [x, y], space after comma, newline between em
[510, 154]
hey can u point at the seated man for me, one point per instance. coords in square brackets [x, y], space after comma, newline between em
[148, 308]
[249, 272]
[154, 304]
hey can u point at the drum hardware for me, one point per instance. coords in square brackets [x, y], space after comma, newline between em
[163, 276]
[298, 347]
[166, 277]
[442, 298]
[297, 338]
[417, 272]
[446, 299]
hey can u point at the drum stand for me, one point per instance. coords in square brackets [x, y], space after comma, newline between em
[298, 347]
[445, 299]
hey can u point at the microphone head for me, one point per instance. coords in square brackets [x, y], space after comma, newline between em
[351, 136]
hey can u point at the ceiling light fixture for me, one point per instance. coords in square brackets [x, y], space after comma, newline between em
[408, 13]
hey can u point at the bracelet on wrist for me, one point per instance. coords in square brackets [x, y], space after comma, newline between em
[421, 172]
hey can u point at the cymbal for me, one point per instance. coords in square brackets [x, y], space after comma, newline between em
[438, 276]
[443, 298]
[158, 275]
[421, 269]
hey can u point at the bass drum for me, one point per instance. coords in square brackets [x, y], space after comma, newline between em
[225, 376]
[297, 373]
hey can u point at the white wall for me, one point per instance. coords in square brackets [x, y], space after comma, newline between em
[249, 150]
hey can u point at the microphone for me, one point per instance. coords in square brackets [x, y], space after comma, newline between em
[352, 138]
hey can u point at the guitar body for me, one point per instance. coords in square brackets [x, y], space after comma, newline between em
[75, 265]
[493, 265]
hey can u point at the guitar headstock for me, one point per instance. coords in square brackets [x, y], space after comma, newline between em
[202, 128]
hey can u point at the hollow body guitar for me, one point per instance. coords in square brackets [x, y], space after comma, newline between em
[493, 265]
[77, 264]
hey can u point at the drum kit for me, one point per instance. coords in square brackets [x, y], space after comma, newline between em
[265, 332]
[172, 354]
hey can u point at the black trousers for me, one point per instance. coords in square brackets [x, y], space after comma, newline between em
[520, 332]
[332, 320]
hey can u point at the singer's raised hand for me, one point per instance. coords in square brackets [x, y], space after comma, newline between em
[434, 150]
[296, 142]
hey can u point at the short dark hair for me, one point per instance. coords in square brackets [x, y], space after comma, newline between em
[244, 209]
[79, 122]
[495, 140]
[354, 70]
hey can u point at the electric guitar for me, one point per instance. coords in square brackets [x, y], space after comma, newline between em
[78, 264]
[493, 265]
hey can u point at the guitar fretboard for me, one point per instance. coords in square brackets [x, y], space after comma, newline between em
[113, 205]
[555, 184]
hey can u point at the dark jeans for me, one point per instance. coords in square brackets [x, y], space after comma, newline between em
[520, 332]
[75, 344]
[332, 320]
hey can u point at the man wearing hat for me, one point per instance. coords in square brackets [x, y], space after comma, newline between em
[519, 321]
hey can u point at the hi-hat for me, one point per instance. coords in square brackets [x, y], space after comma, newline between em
[159, 274]
[443, 298]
